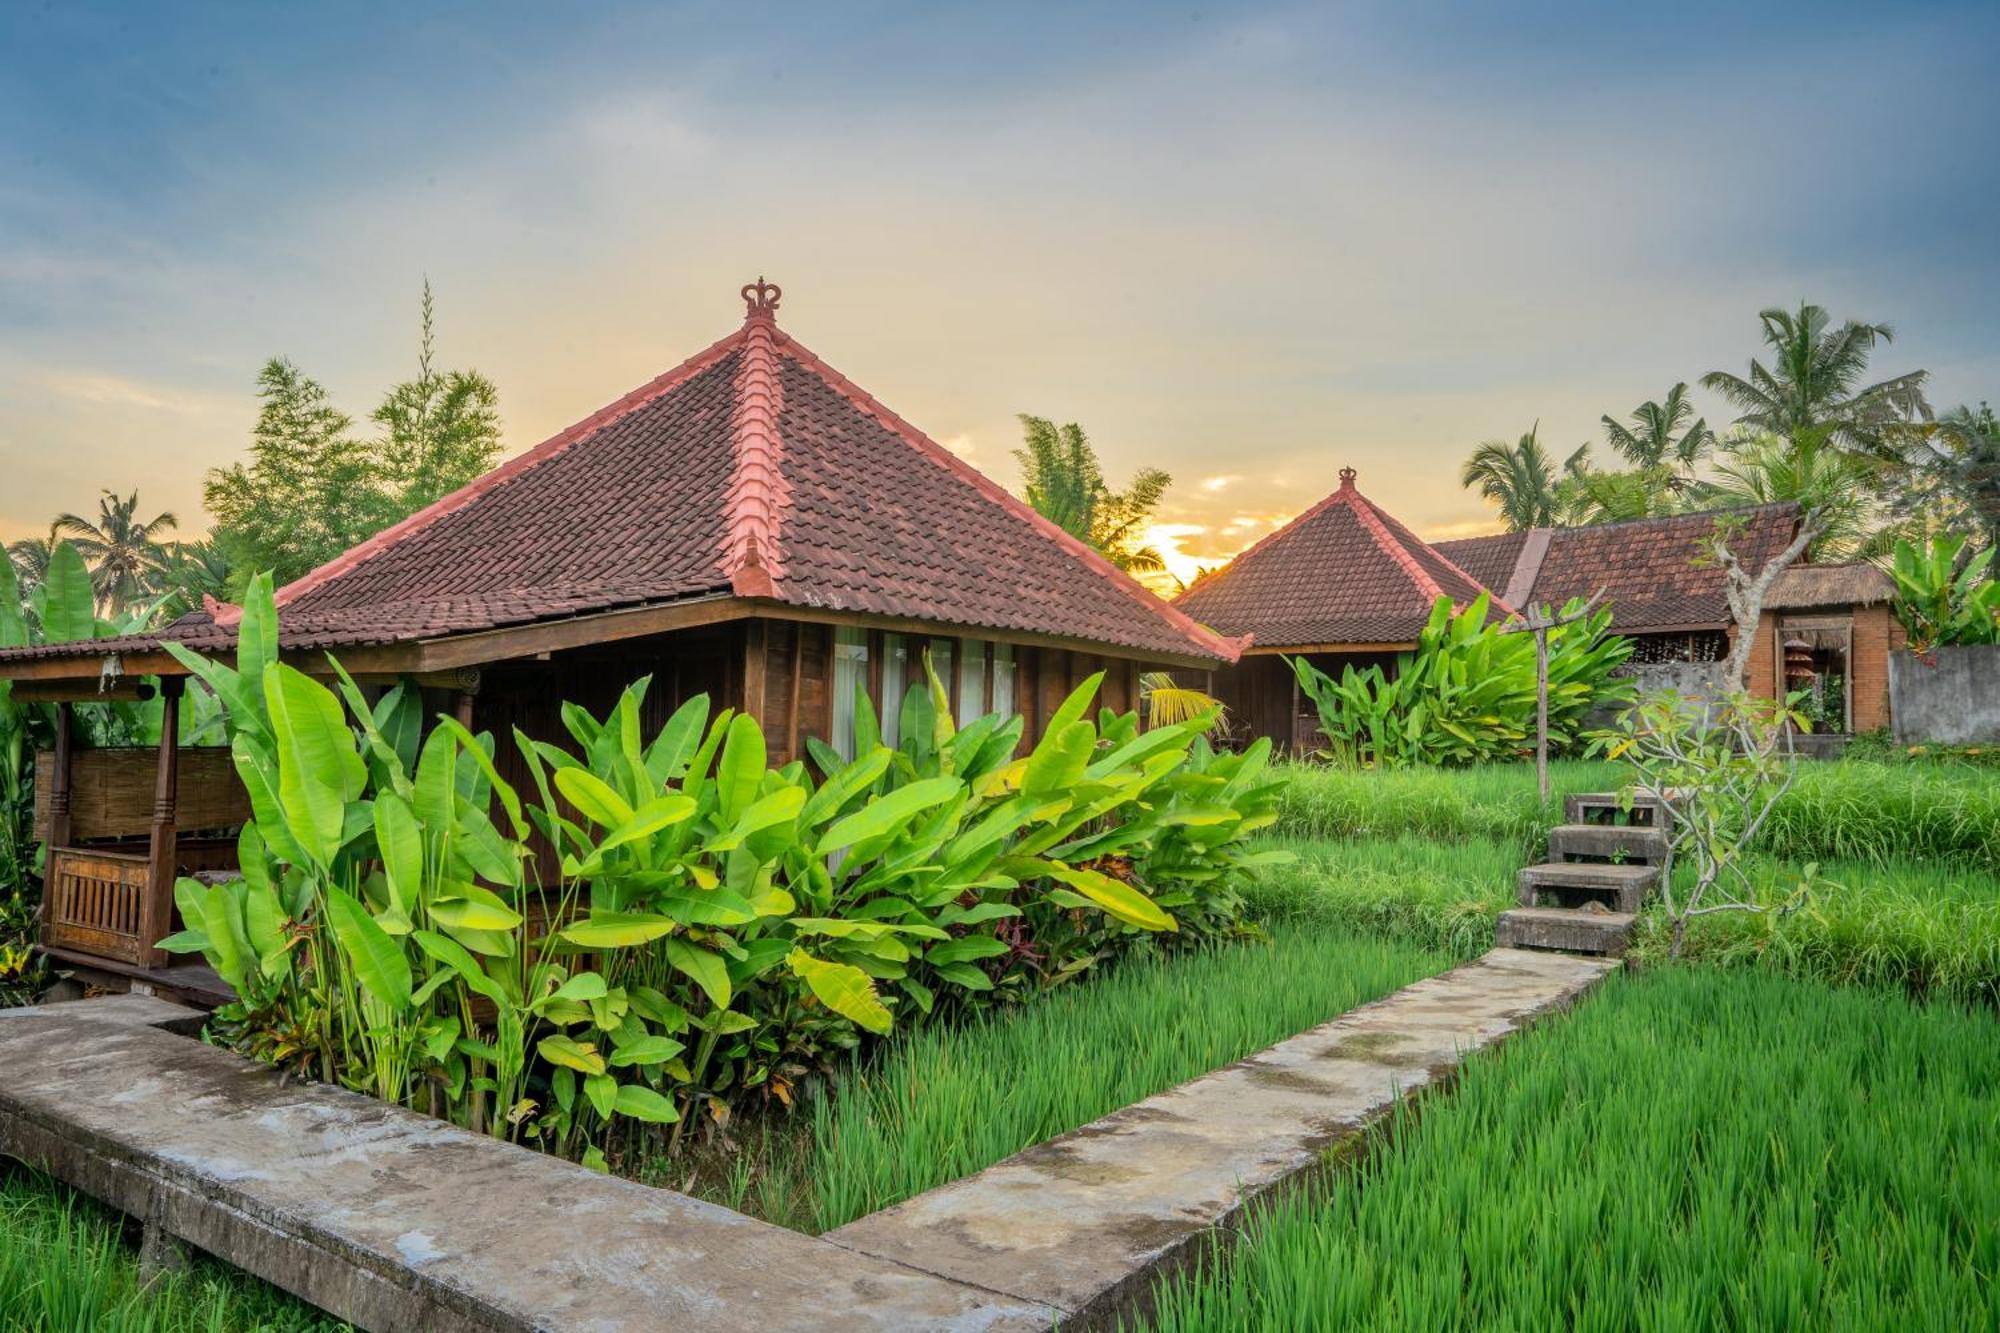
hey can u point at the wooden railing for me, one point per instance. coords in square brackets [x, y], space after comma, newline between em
[96, 903]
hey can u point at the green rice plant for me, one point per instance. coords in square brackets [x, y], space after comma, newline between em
[951, 1099]
[65, 1267]
[1688, 1149]
[1436, 895]
[1923, 927]
[1848, 810]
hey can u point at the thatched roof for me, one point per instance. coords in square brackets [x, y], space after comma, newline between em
[1858, 584]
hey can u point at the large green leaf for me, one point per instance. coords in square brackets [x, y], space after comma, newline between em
[454, 955]
[1115, 896]
[469, 907]
[846, 990]
[69, 603]
[1059, 761]
[401, 845]
[319, 770]
[704, 967]
[740, 772]
[618, 930]
[13, 625]
[373, 955]
[593, 797]
[889, 812]
[642, 1103]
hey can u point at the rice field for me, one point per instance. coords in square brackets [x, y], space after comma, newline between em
[944, 1104]
[1691, 1148]
[1859, 810]
[67, 1267]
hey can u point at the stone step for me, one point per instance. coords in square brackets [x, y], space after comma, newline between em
[1564, 930]
[1628, 844]
[1608, 807]
[1622, 888]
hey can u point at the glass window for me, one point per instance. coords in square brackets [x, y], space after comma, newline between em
[850, 673]
[895, 671]
[971, 681]
[1003, 679]
[941, 651]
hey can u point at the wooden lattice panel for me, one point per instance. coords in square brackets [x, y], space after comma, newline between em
[96, 903]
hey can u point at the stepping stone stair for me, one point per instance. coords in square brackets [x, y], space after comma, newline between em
[1602, 864]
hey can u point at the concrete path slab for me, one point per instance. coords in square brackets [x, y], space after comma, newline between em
[1086, 1221]
[397, 1222]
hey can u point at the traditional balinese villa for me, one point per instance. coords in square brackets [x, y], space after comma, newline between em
[1343, 584]
[1662, 595]
[751, 524]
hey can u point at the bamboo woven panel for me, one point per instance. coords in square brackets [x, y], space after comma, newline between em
[111, 792]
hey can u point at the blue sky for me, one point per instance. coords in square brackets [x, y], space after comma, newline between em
[1251, 244]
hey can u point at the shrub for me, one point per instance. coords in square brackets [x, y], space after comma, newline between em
[1940, 604]
[1468, 693]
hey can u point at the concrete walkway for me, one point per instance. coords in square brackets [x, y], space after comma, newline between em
[397, 1221]
[1086, 1221]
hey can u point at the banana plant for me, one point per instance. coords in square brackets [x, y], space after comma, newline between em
[1939, 603]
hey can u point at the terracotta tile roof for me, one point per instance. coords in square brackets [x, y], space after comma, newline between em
[754, 470]
[1344, 571]
[1646, 566]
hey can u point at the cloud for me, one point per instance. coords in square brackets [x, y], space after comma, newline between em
[114, 391]
[1215, 485]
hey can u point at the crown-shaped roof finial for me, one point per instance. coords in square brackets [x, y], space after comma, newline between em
[1347, 479]
[760, 298]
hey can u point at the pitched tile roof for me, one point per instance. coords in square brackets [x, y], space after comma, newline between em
[751, 470]
[1647, 566]
[1342, 572]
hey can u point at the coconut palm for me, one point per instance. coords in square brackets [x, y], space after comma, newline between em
[31, 557]
[1661, 436]
[1520, 478]
[124, 554]
[1815, 381]
[1761, 468]
[1960, 464]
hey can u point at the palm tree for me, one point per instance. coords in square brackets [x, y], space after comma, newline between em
[1064, 483]
[1811, 383]
[1762, 468]
[124, 554]
[1520, 479]
[31, 557]
[1660, 436]
[1963, 461]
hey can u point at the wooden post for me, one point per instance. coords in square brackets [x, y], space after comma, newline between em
[799, 631]
[1539, 620]
[59, 795]
[756, 661]
[157, 916]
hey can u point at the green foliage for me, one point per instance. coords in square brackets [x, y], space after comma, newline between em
[1804, 468]
[1814, 382]
[1688, 1149]
[311, 489]
[1443, 896]
[1467, 694]
[1064, 483]
[702, 928]
[65, 1265]
[926, 1113]
[1520, 478]
[125, 555]
[1660, 435]
[1941, 602]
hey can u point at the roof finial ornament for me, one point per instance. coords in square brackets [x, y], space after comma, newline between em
[1347, 479]
[760, 298]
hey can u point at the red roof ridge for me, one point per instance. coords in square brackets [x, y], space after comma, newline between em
[751, 554]
[1225, 648]
[1496, 599]
[512, 468]
[1371, 520]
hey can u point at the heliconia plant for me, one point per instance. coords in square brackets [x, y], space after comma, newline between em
[1940, 602]
[669, 924]
[1467, 692]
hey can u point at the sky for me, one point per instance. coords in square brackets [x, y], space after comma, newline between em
[1250, 245]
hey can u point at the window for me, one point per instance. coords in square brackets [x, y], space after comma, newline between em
[1003, 679]
[850, 673]
[895, 671]
[971, 681]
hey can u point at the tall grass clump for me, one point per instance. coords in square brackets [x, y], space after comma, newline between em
[1436, 895]
[1690, 1149]
[1916, 925]
[65, 1265]
[1862, 811]
[948, 1101]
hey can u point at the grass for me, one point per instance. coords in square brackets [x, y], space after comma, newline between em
[1860, 810]
[945, 1102]
[1436, 895]
[1690, 1149]
[66, 1267]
